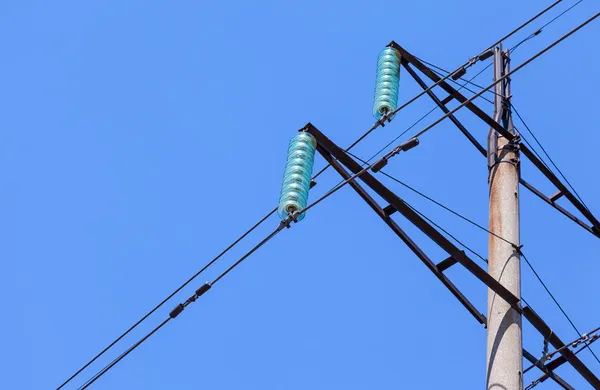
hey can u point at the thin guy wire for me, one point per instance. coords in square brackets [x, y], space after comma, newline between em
[471, 250]
[438, 203]
[555, 301]
[457, 240]
[547, 155]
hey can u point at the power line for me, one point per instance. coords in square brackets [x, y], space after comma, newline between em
[538, 31]
[120, 357]
[179, 308]
[165, 300]
[210, 263]
[377, 124]
[531, 36]
[521, 66]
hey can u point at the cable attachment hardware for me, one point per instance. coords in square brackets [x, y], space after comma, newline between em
[287, 221]
[403, 147]
[387, 116]
[532, 384]
[204, 288]
[485, 55]
[459, 73]
[545, 355]
[176, 311]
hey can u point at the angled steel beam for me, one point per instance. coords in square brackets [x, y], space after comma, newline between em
[547, 372]
[415, 218]
[404, 237]
[567, 214]
[443, 107]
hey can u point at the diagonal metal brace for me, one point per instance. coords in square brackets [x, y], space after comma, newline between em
[332, 152]
[403, 236]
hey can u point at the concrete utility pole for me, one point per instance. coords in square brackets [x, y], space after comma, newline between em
[504, 339]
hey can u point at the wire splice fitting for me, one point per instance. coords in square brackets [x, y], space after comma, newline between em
[204, 288]
[403, 147]
[459, 73]
[484, 56]
[176, 311]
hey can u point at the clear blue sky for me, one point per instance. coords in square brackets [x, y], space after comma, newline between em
[139, 138]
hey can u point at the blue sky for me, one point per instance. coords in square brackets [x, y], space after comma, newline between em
[139, 138]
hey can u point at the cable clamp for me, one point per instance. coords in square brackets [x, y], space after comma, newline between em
[545, 355]
[385, 117]
[403, 147]
[176, 311]
[287, 222]
[533, 384]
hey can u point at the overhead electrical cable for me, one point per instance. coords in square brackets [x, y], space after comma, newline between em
[377, 124]
[521, 66]
[180, 307]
